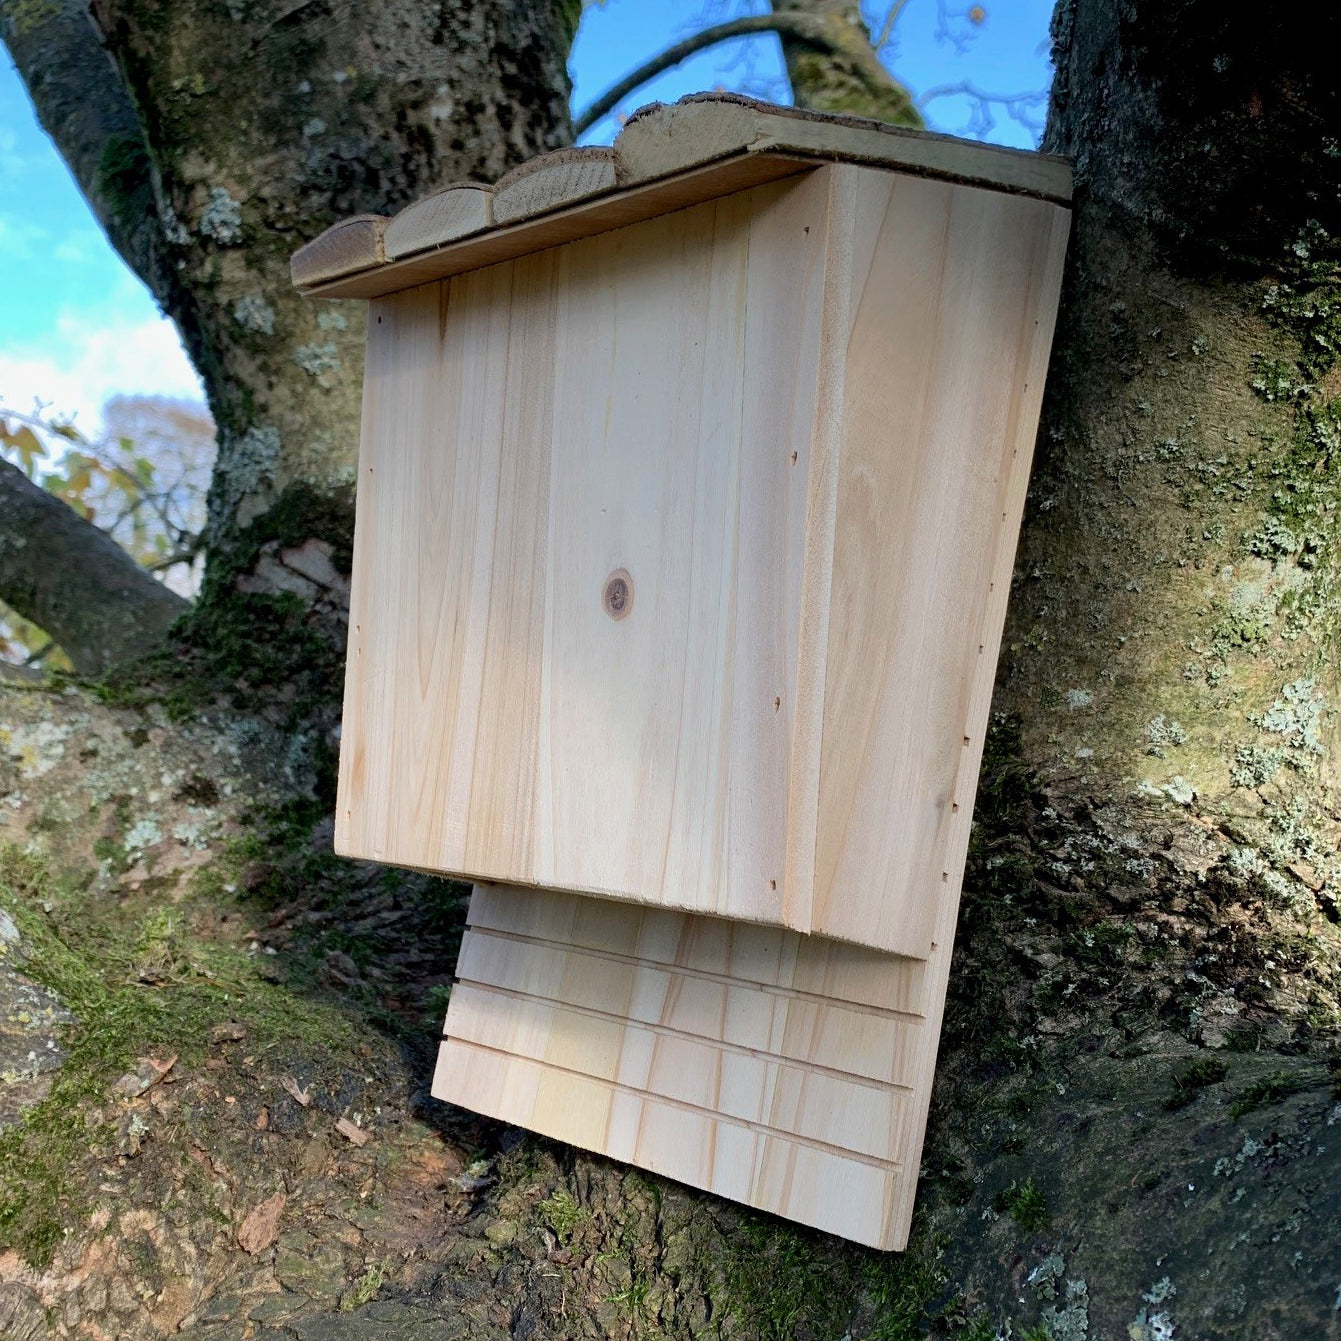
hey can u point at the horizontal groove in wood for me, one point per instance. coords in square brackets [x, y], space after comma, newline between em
[780, 1095]
[745, 1124]
[862, 977]
[877, 1047]
[834, 1192]
[706, 975]
[668, 1031]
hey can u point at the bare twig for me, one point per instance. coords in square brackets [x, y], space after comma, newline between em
[1018, 106]
[945, 33]
[891, 18]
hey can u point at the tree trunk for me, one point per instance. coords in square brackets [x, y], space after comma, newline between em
[1135, 1074]
[1131, 1134]
[258, 126]
[843, 74]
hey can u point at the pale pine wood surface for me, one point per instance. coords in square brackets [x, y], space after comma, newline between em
[583, 218]
[351, 245]
[552, 180]
[700, 1049]
[951, 309]
[510, 729]
[661, 139]
[800, 420]
[460, 210]
[710, 947]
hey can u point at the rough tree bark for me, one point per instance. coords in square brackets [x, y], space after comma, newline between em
[842, 73]
[1141, 1053]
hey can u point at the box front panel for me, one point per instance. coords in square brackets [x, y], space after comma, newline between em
[578, 560]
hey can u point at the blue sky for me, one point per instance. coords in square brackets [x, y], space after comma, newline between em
[77, 327]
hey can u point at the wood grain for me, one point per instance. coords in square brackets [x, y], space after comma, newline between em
[583, 219]
[511, 729]
[350, 245]
[661, 140]
[552, 180]
[780, 1098]
[455, 212]
[950, 332]
[665, 158]
[799, 421]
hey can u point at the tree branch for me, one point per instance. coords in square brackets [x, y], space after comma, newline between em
[85, 108]
[800, 27]
[75, 582]
[887, 28]
[840, 71]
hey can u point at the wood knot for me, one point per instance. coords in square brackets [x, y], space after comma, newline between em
[618, 594]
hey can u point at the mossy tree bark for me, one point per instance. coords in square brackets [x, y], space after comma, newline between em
[1137, 1070]
[1131, 1133]
[842, 73]
[1138, 1066]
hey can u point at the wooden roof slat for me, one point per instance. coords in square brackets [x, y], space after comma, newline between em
[460, 210]
[346, 247]
[666, 158]
[552, 181]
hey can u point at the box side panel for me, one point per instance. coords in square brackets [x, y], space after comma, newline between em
[1021, 436]
[767, 1097]
[954, 294]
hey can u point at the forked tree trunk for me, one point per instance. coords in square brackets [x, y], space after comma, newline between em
[1131, 1117]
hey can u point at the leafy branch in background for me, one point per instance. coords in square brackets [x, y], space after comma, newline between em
[142, 483]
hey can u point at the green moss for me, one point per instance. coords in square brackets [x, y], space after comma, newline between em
[1277, 379]
[904, 1290]
[365, 1289]
[1192, 1079]
[250, 648]
[1024, 1203]
[22, 16]
[1269, 1090]
[563, 1213]
[124, 176]
[138, 985]
[781, 1282]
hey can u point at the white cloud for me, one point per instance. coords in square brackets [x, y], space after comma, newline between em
[80, 246]
[18, 239]
[88, 359]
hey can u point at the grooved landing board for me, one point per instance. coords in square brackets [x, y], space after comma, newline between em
[784, 1071]
[794, 425]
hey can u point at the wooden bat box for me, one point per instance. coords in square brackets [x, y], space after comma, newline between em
[690, 482]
